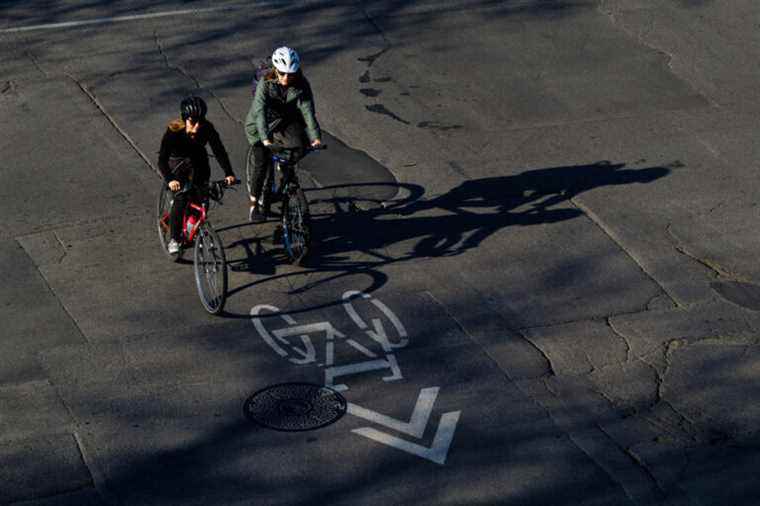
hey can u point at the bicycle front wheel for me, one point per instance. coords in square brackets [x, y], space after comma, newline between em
[210, 266]
[296, 225]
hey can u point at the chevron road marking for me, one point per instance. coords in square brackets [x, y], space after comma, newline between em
[415, 427]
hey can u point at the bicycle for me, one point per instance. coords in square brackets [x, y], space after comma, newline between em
[295, 217]
[209, 261]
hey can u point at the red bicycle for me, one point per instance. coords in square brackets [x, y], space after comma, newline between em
[209, 261]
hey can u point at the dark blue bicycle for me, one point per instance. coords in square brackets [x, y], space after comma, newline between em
[282, 185]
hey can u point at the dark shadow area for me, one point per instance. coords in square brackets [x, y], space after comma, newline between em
[746, 295]
[447, 225]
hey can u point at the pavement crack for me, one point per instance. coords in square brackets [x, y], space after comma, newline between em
[9, 88]
[63, 246]
[594, 218]
[112, 121]
[628, 348]
[642, 465]
[377, 27]
[37, 65]
[716, 269]
[643, 36]
[182, 71]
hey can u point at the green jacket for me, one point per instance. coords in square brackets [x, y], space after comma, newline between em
[273, 103]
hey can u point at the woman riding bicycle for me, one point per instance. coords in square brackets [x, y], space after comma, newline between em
[183, 159]
[282, 111]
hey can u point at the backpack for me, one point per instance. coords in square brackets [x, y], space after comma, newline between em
[261, 69]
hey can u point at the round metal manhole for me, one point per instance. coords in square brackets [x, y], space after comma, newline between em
[293, 407]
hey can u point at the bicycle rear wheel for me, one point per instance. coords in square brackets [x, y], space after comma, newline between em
[210, 265]
[163, 210]
[296, 225]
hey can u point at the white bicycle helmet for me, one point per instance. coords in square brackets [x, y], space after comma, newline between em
[286, 60]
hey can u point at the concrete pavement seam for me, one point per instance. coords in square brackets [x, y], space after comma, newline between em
[188, 75]
[98, 480]
[112, 120]
[52, 292]
[37, 65]
[612, 236]
[576, 437]
[484, 349]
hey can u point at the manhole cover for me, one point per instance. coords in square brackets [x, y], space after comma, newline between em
[295, 407]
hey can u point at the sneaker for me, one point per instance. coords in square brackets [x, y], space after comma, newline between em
[255, 215]
[173, 247]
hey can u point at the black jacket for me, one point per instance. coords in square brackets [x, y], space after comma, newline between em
[185, 159]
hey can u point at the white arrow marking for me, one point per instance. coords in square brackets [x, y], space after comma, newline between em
[436, 453]
[415, 427]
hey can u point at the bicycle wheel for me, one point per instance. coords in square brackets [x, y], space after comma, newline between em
[164, 207]
[296, 225]
[210, 267]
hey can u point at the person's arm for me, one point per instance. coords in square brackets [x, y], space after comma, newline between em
[219, 151]
[259, 109]
[306, 106]
[163, 157]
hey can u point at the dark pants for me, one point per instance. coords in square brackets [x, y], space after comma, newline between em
[292, 135]
[181, 202]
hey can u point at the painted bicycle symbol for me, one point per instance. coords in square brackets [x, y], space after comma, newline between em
[296, 342]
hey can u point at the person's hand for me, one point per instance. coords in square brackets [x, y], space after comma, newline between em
[266, 142]
[174, 185]
[316, 143]
[230, 180]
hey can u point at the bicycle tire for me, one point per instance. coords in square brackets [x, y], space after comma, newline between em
[163, 210]
[296, 225]
[210, 267]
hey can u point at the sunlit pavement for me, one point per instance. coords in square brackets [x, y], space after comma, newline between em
[533, 279]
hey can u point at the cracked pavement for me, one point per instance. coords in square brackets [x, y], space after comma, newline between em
[555, 198]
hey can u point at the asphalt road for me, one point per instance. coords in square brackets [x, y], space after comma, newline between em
[534, 280]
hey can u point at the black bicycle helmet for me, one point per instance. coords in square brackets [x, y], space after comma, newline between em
[193, 107]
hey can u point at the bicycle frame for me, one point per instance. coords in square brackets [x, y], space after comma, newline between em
[201, 210]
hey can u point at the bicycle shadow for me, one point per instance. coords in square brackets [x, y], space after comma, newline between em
[353, 236]
[461, 219]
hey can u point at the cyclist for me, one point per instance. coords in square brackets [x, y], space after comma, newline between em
[183, 159]
[282, 111]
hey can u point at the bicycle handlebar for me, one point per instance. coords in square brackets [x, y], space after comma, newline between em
[274, 148]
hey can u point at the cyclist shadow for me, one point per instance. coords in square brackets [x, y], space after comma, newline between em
[461, 219]
[357, 230]
[258, 259]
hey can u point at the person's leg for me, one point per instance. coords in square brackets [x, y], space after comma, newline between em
[261, 161]
[175, 216]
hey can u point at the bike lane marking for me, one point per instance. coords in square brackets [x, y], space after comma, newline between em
[306, 353]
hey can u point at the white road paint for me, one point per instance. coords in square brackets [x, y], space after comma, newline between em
[282, 338]
[415, 427]
[294, 342]
[378, 333]
[389, 362]
[118, 19]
